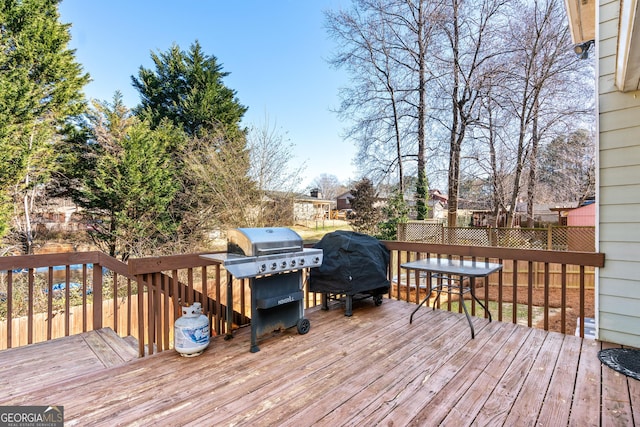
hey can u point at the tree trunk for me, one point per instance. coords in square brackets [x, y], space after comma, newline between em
[396, 126]
[531, 186]
[422, 193]
[28, 232]
[454, 141]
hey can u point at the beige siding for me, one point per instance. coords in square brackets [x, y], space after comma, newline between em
[619, 194]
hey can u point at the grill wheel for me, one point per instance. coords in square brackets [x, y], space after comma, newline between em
[303, 326]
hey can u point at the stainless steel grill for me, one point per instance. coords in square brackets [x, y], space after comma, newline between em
[253, 252]
[263, 241]
[272, 259]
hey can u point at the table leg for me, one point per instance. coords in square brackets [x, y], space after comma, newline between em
[431, 289]
[426, 298]
[472, 287]
[420, 305]
[439, 286]
[466, 312]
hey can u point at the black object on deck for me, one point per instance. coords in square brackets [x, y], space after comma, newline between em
[623, 360]
[354, 265]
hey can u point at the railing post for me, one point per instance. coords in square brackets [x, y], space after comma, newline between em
[97, 296]
[141, 320]
[550, 237]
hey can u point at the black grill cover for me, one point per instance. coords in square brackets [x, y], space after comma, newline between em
[352, 263]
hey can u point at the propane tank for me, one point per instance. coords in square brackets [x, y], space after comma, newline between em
[191, 331]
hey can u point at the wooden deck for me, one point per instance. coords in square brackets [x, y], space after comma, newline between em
[372, 368]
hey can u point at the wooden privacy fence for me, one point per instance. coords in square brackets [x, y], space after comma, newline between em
[556, 238]
[143, 298]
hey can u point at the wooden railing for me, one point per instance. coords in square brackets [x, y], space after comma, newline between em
[169, 283]
[106, 291]
[546, 289]
[43, 297]
[48, 296]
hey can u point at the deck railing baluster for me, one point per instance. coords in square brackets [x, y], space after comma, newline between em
[546, 296]
[500, 283]
[50, 302]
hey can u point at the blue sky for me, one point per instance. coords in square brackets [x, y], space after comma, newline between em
[274, 50]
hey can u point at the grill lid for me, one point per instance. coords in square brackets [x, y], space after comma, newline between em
[263, 241]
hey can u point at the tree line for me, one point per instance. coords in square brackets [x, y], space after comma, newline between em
[151, 179]
[476, 94]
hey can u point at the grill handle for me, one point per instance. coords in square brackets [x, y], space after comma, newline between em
[278, 250]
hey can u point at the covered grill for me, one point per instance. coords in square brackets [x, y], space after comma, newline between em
[354, 265]
[273, 259]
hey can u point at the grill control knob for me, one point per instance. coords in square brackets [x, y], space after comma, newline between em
[293, 263]
[263, 268]
[283, 264]
[316, 260]
[274, 266]
[301, 262]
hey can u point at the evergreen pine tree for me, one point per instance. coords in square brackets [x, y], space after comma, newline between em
[40, 87]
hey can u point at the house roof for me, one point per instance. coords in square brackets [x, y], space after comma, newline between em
[298, 197]
[628, 59]
[582, 23]
[582, 20]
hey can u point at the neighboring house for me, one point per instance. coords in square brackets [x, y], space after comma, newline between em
[306, 208]
[437, 205]
[583, 216]
[543, 213]
[287, 208]
[437, 196]
[59, 215]
[617, 46]
[343, 201]
[437, 210]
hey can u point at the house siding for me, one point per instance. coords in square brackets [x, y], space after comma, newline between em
[618, 300]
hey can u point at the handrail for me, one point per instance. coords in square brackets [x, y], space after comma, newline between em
[593, 259]
[39, 261]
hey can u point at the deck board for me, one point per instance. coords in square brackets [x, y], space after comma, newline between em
[434, 374]
[507, 388]
[525, 411]
[556, 406]
[586, 400]
[371, 368]
[39, 365]
[468, 389]
[616, 406]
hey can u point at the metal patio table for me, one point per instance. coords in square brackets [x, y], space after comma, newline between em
[451, 274]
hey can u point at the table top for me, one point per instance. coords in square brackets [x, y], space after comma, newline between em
[454, 266]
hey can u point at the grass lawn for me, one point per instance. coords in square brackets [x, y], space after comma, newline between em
[313, 231]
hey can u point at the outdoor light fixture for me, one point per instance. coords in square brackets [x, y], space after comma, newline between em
[582, 49]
